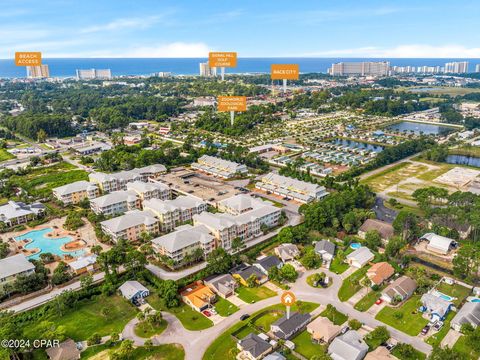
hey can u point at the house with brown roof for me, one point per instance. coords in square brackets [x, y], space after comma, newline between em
[66, 350]
[384, 229]
[198, 296]
[323, 330]
[401, 289]
[380, 353]
[380, 272]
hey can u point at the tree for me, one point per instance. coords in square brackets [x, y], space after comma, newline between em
[219, 261]
[237, 243]
[51, 331]
[289, 273]
[354, 324]
[61, 274]
[466, 263]
[394, 245]
[41, 136]
[94, 339]
[168, 292]
[96, 249]
[311, 260]
[274, 274]
[445, 354]
[86, 281]
[377, 336]
[4, 249]
[252, 281]
[406, 225]
[373, 240]
[73, 221]
[135, 261]
[406, 351]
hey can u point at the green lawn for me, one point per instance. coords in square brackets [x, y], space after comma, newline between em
[351, 284]
[367, 301]
[225, 307]
[458, 291]
[145, 330]
[159, 352]
[268, 319]
[190, 319]
[417, 355]
[437, 338]
[93, 350]
[251, 295]
[103, 315]
[338, 266]
[467, 352]
[334, 316]
[5, 155]
[407, 318]
[305, 347]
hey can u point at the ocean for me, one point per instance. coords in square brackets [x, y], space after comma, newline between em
[189, 66]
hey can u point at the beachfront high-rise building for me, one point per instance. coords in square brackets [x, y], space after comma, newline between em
[377, 68]
[206, 70]
[456, 67]
[38, 72]
[90, 74]
[477, 68]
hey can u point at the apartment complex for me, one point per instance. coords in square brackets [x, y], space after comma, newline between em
[38, 72]
[456, 67]
[477, 68]
[16, 213]
[183, 241]
[219, 167]
[150, 190]
[119, 180]
[171, 213]
[239, 204]
[380, 68]
[206, 70]
[75, 192]
[91, 74]
[116, 202]
[13, 266]
[131, 225]
[297, 190]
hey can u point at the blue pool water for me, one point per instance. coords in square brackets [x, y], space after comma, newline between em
[355, 245]
[445, 297]
[475, 300]
[47, 244]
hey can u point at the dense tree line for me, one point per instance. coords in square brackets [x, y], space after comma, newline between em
[29, 124]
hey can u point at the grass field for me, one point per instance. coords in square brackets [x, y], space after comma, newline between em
[351, 284]
[407, 318]
[416, 355]
[458, 291]
[367, 301]
[305, 347]
[5, 155]
[103, 315]
[338, 266]
[465, 349]
[467, 151]
[146, 330]
[252, 295]
[439, 90]
[334, 316]
[159, 352]
[225, 307]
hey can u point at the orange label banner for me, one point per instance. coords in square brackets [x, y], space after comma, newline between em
[28, 58]
[232, 103]
[288, 298]
[284, 71]
[222, 59]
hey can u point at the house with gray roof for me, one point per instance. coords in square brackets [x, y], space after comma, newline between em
[401, 289]
[242, 272]
[266, 263]
[275, 356]
[13, 266]
[435, 306]
[223, 285]
[326, 249]
[360, 257]
[254, 347]
[16, 212]
[468, 314]
[133, 290]
[287, 252]
[349, 346]
[285, 328]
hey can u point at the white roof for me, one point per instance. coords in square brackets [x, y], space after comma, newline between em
[14, 209]
[130, 219]
[348, 346]
[184, 236]
[114, 197]
[142, 187]
[242, 202]
[83, 262]
[362, 255]
[287, 185]
[218, 163]
[438, 242]
[74, 187]
[182, 202]
[128, 175]
[14, 265]
[130, 288]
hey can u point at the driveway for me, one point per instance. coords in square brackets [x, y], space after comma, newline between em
[358, 296]
[450, 339]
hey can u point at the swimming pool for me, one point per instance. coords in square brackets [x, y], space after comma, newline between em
[473, 299]
[355, 246]
[443, 296]
[47, 244]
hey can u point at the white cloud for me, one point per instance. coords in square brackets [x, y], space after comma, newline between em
[124, 23]
[404, 51]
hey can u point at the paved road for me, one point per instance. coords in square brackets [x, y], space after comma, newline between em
[382, 212]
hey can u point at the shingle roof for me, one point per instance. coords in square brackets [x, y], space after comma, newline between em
[325, 245]
[288, 326]
[254, 344]
[269, 261]
[384, 229]
[362, 255]
[348, 346]
[248, 271]
[130, 288]
[469, 313]
[66, 350]
[74, 187]
[380, 272]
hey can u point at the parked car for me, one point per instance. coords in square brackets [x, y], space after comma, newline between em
[345, 329]
[206, 313]
[438, 325]
[390, 346]
[425, 329]
[244, 317]
[213, 311]
[378, 302]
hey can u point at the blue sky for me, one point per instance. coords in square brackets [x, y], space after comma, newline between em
[253, 28]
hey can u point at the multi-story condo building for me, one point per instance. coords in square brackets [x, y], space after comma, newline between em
[131, 225]
[75, 192]
[119, 180]
[38, 72]
[456, 67]
[183, 241]
[239, 204]
[16, 213]
[13, 266]
[219, 167]
[477, 68]
[380, 68]
[206, 70]
[150, 190]
[171, 213]
[298, 190]
[116, 202]
[90, 74]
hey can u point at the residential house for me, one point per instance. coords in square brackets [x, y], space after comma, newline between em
[242, 272]
[326, 249]
[184, 241]
[115, 203]
[150, 190]
[323, 330]
[380, 272]
[131, 226]
[380, 353]
[13, 266]
[132, 290]
[435, 306]
[266, 263]
[349, 346]
[219, 167]
[198, 296]
[360, 257]
[468, 314]
[66, 350]
[291, 188]
[400, 290]
[438, 244]
[76, 192]
[287, 252]
[84, 264]
[223, 285]
[16, 213]
[275, 356]
[383, 228]
[171, 213]
[285, 328]
[253, 347]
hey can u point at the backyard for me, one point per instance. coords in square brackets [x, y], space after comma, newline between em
[368, 300]
[252, 295]
[306, 347]
[456, 290]
[335, 316]
[160, 352]
[351, 284]
[465, 349]
[225, 307]
[405, 318]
